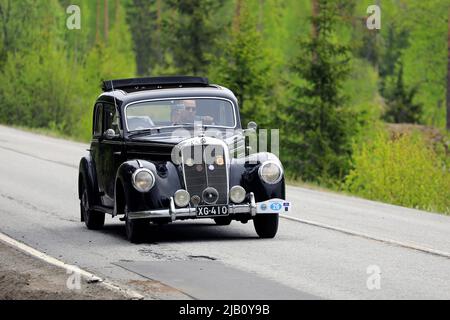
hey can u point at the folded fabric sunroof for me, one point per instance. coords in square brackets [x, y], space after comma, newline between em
[137, 84]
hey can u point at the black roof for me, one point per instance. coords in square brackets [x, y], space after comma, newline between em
[174, 87]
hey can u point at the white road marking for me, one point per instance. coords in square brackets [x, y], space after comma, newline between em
[90, 277]
[412, 246]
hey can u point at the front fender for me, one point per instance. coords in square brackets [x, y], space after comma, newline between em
[167, 181]
[86, 171]
[244, 172]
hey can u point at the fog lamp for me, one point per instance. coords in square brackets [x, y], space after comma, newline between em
[182, 198]
[237, 194]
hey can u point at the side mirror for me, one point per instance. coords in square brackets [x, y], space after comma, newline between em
[252, 126]
[109, 134]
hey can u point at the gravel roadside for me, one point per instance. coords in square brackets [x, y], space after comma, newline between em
[23, 277]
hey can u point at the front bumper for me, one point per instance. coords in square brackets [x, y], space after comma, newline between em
[252, 209]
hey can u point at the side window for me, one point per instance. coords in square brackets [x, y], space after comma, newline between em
[111, 119]
[98, 120]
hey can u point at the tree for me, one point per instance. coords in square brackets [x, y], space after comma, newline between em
[400, 102]
[193, 26]
[244, 66]
[145, 19]
[396, 42]
[319, 128]
[37, 88]
[17, 30]
[43, 85]
[425, 59]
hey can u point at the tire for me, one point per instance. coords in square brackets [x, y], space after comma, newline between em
[223, 221]
[266, 226]
[94, 220]
[136, 229]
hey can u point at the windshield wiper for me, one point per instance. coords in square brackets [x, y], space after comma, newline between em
[190, 124]
[143, 131]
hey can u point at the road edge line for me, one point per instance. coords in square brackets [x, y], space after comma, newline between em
[369, 237]
[90, 277]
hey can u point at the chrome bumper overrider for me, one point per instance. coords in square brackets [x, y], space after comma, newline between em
[253, 208]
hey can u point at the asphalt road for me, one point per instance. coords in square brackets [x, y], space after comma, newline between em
[333, 249]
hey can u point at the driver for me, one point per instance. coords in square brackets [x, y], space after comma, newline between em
[188, 114]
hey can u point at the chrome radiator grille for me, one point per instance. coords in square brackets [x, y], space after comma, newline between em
[201, 170]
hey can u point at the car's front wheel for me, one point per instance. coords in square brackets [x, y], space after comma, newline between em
[136, 229]
[266, 225]
[94, 220]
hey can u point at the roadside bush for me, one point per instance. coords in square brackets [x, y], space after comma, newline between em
[402, 170]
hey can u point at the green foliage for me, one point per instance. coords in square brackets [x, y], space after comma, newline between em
[36, 88]
[425, 59]
[400, 101]
[244, 66]
[146, 20]
[52, 80]
[396, 42]
[423, 55]
[15, 32]
[401, 107]
[403, 171]
[193, 26]
[319, 127]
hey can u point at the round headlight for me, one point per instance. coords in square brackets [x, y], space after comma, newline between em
[143, 180]
[237, 194]
[181, 198]
[270, 172]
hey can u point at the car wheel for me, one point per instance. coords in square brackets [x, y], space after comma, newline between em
[135, 229]
[266, 225]
[94, 220]
[223, 221]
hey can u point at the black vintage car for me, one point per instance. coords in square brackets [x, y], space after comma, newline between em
[173, 148]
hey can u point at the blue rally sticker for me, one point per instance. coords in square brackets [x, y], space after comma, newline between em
[275, 206]
[263, 206]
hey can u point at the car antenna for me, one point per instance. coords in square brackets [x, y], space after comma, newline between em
[115, 101]
[114, 96]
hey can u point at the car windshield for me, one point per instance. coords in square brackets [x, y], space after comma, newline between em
[180, 112]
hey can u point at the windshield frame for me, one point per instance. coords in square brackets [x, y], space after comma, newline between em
[181, 98]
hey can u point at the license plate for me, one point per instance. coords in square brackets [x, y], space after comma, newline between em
[212, 211]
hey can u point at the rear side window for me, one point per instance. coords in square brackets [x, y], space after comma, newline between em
[98, 120]
[111, 118]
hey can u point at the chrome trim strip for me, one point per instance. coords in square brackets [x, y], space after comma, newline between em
[176, 214]
[252, 204]
[173, 210]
